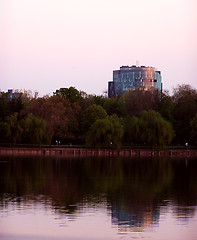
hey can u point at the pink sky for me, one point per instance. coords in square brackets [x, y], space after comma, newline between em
[49, 44]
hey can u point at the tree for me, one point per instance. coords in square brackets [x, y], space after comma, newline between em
[53, 111]
[89, 100]
[73, 113]
[16, 104]
[193, 131]
[5, 132]
[98, 100]
[114, 106]
[185, 108]
[15, 128]
[149, 129]
[166, 107]
[4, 109]
[71, 94]
[132, 130]
[34, 130]
[91, 114]
[137, 101]
[105, 131]
[155, 130]
[118, 130]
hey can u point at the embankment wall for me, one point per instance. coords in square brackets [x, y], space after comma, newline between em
[77, 152]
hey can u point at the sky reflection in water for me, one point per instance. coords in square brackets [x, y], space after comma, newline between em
[98, 199]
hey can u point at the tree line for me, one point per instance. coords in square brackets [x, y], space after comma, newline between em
[70, 116]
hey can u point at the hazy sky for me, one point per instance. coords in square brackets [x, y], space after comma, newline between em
[49, 44]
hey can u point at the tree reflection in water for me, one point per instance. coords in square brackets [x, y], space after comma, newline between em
[133, 189]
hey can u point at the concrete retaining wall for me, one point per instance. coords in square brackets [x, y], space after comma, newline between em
[76, 152]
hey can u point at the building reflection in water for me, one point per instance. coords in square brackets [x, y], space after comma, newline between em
[135, 219]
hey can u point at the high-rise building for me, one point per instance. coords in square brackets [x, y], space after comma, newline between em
[133, 78]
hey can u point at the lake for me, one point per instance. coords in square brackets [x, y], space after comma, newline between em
[98, 198]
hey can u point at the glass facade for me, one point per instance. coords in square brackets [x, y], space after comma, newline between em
[132, 78]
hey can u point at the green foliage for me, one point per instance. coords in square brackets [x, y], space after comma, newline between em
[71, 94]
[155, 131]
[91, 114]
[132, 126]
[166, 107]
[9, 106]
[118, 130]
[5, 132]
[105, 131]
[16, 104]
[185, 108]
[113, 106]
[34, 130]
[30, 130]
[4, 108]
[98, 100]
[149, 129]
[193, 131]
[54, 112]
[137, 101]
[69, 114]
[15, 128]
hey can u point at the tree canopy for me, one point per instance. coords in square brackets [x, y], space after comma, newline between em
[105, 132]
[91, 114]
[155, 130]
[185, 108]
[138, 117]
[71, 94]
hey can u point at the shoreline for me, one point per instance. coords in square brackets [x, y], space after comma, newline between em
[85, 152]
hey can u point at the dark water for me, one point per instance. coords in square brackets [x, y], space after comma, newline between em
[88, 198]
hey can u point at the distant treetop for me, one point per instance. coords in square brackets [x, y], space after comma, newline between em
[71, 94]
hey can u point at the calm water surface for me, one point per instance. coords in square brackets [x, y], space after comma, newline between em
[97, 198]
